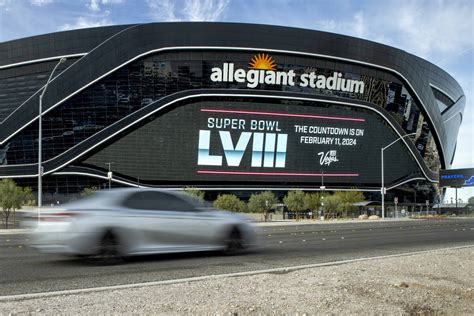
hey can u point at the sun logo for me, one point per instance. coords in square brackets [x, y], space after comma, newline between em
[262, 61]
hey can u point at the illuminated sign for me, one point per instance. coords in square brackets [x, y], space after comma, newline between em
[469, 181]
[327, 158]
[238, 133]
[263, 71]
[259, 142]
[456, 177]
[274, 144]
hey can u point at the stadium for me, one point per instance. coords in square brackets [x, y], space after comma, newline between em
[224, 106]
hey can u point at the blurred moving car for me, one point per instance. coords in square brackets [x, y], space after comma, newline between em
[137, 221]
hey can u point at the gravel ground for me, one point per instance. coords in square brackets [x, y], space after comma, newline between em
[438, 282]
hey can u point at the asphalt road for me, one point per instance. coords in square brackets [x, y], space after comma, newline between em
[23, 270]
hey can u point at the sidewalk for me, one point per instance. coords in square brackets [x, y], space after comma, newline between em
[287, 222]
[14, 231]
[279, 222]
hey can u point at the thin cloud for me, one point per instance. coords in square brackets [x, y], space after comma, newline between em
[205, 10]
[188, 10]
[436, 27]
[84, 22]
[424, 28]
[96, 5]
[41, 3]
[162, 10]
[356, 26]
[93, 5]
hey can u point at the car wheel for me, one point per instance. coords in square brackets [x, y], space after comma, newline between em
[109, 251]
[235, 242]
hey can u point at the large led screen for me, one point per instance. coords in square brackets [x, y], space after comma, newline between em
[456, 177]
[252, 141]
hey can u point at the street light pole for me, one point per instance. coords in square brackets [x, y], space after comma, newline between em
[109, 174]
[322, 188]
[40, 138]
[382, 189]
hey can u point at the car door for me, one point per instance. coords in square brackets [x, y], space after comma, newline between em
[167, 223]
[142, 220]
[192, 226]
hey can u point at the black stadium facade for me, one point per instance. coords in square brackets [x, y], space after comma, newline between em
[224, 106]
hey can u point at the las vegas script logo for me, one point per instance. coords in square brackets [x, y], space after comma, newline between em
[327, 158]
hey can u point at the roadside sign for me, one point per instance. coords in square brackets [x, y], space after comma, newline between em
[395, 200]
[109, 175]
[427, 203]
[456, 177]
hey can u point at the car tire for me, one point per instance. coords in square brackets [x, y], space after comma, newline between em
[109, 250]
[234, 243]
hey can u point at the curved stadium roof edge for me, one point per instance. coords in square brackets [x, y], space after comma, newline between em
[98, 52]
[263, 37]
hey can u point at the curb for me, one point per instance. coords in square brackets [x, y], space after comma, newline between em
[15, 231]
[330, 222]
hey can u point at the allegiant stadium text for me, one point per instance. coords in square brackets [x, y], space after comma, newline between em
[254, 77]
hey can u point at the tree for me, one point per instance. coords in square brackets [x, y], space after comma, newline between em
[471, 200]
[347, 200]
[262, 203]
[230, 202]
[331, 203]
[195, 193]
[11, 198]
[89, 190]
[312, 201]
[294, 201]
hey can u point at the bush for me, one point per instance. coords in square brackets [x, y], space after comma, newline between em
[11, 198]
[89, 190]
[230, 202]
[347, 199]
[195, 193]
[331, 205]
[471, 200]
[312, 201]
[294, 201]
[262, 203]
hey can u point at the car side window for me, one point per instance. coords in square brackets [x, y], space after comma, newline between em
[169, 202]
[159, 201]
[136, 201]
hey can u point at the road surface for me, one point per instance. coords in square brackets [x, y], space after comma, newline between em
[23, 270]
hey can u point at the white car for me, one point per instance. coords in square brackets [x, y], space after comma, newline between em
[137, 221]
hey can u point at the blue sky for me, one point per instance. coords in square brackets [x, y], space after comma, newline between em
[439, 31]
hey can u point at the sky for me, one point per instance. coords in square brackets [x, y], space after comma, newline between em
[441, 32]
